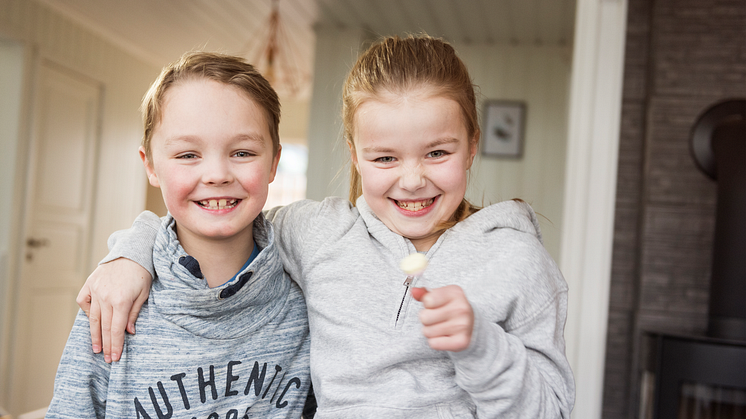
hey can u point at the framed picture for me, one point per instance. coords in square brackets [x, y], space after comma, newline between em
[502, 135]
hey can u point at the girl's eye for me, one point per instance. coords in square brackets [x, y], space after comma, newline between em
[436, 153]
[386, 159]
[242, 154]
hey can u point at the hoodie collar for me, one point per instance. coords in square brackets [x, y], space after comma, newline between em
[513, 214]
[234, 309]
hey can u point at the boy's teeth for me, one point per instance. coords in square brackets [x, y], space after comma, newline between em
[218, 204]
[415, 205]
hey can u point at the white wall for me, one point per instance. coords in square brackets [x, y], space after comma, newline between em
[328, 155]
[125, 78]
[536, 75]
[539, 76]
[120, 191]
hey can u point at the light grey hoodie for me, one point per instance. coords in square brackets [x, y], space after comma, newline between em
[369, 358]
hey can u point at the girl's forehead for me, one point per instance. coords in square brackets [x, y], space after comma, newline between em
[413, 121]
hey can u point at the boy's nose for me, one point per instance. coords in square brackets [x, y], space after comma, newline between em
[412, 177]
[217, 172]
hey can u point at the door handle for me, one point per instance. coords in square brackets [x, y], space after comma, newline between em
[36, 243]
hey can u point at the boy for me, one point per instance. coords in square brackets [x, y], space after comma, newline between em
[224, 333]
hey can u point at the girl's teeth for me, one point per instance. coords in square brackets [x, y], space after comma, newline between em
[415, 206]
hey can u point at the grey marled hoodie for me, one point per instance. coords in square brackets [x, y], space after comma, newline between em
[239, 350]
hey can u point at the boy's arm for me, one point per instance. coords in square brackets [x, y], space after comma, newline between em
[114, 293]
[81, 385]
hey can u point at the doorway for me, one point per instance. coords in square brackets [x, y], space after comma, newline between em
[56, 233]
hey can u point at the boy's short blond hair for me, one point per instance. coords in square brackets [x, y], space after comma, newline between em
[227, 69]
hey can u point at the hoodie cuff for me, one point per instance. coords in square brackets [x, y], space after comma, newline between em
[135, 243]
[470, 362]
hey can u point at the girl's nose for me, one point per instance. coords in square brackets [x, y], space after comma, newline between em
[217, 172]
[412, 177]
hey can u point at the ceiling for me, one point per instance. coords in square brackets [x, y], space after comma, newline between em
[159, 31]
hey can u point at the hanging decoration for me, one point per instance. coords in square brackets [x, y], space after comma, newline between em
[275, 56]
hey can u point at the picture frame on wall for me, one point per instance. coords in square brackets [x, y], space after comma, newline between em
[504, 126]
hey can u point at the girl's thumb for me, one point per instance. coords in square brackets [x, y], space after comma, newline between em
[419, 293]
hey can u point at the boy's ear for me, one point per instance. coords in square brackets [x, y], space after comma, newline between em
[152, 177]
[275, 162]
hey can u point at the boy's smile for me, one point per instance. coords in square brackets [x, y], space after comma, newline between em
[212, 157]
[413, 154]
[218, 204]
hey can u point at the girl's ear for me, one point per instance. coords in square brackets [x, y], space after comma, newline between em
[149, 170]
[353, 154]
[473, 146]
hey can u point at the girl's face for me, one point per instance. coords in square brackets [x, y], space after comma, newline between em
[212, 157]
[413, 154]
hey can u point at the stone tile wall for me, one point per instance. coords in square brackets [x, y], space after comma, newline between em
[681, 57]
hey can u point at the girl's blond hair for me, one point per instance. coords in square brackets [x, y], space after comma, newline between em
[399, 65]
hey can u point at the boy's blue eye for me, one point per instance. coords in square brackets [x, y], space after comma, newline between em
[436, 153]
[187, 156]
[386, 159]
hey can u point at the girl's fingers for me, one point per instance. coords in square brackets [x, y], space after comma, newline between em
[419, 293]
[106, 314]
[439, 297]
[449, 343]
[453, 332]
[447, 317]
[135, 311]
[94, 320]
[84, 299]
[118, 323]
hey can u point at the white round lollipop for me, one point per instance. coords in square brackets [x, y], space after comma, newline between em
[413, 264]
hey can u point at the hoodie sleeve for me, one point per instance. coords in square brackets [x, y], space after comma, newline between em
[82, 381]
[515, 366]
[137, 242]
[522, 373]
[294, 226]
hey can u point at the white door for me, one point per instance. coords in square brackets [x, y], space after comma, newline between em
[58, 217]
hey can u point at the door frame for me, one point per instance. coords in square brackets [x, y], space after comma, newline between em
[16, 231]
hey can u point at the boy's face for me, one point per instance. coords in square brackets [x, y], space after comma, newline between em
[212, 158]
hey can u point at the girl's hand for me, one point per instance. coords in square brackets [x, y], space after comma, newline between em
[112, 297]
[447, 319]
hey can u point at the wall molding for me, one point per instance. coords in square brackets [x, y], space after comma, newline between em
[590, 191]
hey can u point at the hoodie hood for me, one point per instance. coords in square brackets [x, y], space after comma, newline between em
[513, 214]
[183, 297]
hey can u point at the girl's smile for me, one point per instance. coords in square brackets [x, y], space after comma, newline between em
[413, 154]
[416, 208]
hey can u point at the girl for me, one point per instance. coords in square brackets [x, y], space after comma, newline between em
[481, 335]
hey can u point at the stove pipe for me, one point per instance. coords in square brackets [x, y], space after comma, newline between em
[718, 145]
